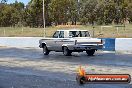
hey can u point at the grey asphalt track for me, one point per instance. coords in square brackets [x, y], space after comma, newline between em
[29, 68]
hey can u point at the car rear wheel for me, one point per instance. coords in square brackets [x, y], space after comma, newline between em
[66, 51]
[90, 52]
[45, 50]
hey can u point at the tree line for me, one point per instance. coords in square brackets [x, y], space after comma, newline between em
[65, 12]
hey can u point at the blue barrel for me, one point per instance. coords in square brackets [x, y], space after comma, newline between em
[109, 44]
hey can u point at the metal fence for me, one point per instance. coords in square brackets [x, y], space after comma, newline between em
[96, 31]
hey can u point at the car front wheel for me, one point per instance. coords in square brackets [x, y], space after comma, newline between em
[45, 50]
[90, 52]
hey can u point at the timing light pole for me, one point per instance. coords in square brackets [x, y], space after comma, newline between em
[44, 19]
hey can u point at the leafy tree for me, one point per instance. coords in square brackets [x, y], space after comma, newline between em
[109, 12]
[11, 14]
[89, 12]
[65, 11]
[6, 15]
[129, 10]
[34, 13]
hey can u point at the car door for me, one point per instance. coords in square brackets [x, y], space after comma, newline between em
[53, 41]
[59, 41]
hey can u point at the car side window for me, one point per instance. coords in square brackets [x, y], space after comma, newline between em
[85, 34]
[74, 33]
[56, 34]
[61, 35]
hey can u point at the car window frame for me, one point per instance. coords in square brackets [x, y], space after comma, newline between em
[61, 32]
[56, 34]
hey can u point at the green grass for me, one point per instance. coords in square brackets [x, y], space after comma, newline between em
[107, 32]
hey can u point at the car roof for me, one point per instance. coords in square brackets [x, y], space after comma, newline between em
[71, 30]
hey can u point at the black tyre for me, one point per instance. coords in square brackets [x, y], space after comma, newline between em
[45, 50]
[90, 52]
[66, 51]
[80, 80]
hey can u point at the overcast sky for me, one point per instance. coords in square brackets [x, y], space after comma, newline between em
[24, 1]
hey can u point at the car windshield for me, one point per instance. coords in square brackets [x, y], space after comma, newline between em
[79, 34]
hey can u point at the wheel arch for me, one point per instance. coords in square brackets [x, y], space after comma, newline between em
[43, 44]
[64, 46]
